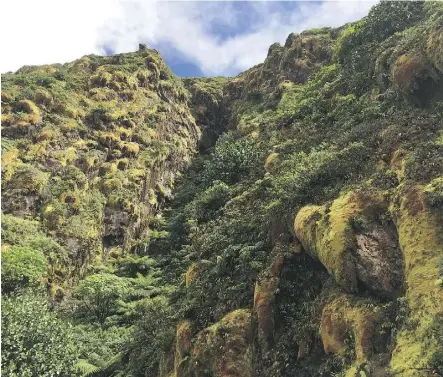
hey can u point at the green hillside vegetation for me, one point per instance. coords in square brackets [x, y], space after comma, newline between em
[285, 222]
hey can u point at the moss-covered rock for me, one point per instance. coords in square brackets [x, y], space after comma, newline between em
[195, 271]
[346, 317]
[224, 349]
[183, 339]
[354, 240]
[421, 241]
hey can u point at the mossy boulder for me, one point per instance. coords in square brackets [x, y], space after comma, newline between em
[195, 271]
[183, 340]
[421, 240]
[224, 349]
[347, 317]
[355, 240]
[265, 304]
[272, 162]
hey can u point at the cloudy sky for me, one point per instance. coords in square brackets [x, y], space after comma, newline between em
[195, 38]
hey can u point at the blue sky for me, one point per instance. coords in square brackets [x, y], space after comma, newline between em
[195, 38]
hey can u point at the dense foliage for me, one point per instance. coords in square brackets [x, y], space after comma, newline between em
[153, 262]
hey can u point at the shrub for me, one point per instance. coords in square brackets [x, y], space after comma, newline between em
[424, 163]
[29, 178]
[233, 160]
[22, 267]
[34, 341]
[26, 112]
[152, 336]
[206, 205]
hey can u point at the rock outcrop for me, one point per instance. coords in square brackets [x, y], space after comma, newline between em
[354, 241]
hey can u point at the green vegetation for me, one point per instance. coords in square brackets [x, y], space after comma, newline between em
[34, 341]
[304, 239]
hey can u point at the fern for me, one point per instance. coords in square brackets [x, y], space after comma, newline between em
[86, 368]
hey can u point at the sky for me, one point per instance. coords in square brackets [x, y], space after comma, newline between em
[196, 38]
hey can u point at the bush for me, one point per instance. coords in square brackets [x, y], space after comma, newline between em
[233, 160]
[22, 267]
[425, 163]
[152, 335]
[205, 206]
[34, 341]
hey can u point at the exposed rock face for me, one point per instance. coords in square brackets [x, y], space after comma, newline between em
[295, 61]
[341, 318]
[349, 239]
[209, 106]
[375, 255]
[183, 339]
[264, 300]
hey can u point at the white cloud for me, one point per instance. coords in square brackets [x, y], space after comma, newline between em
[50, 31]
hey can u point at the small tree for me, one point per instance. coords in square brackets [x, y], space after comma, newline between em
[153, 335]
[98, 294]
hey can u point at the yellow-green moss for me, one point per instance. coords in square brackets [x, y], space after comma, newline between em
[183, 340]
[406, 70]
[136, 175]
[7, 97]
[327, 233]
[434, 45]
[264, 297]
[342, 316]
[421, 241]
[29, 178]
[191, 274]
[10, 161]
[67, 125]
[46, 134]
[225, 347]
[43, 97]
[124, 133]
[108, 138]
[272, 162]
[152, 199]
[71, 111]
[27, 112]
[108, 168]
[397, 163]
[131, 148]
[111, 185]
[65, 156]
[100, 79]
[102, 94]
[36, 151]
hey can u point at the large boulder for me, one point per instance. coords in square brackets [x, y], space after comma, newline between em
[354, 239]
[224, 349]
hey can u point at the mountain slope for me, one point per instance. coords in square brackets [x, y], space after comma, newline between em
[306, 237]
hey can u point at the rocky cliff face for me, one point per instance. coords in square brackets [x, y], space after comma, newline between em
[306, 237]
[91, 150]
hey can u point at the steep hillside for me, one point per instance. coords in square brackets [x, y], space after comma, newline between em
[304, 239]
[91, 150]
